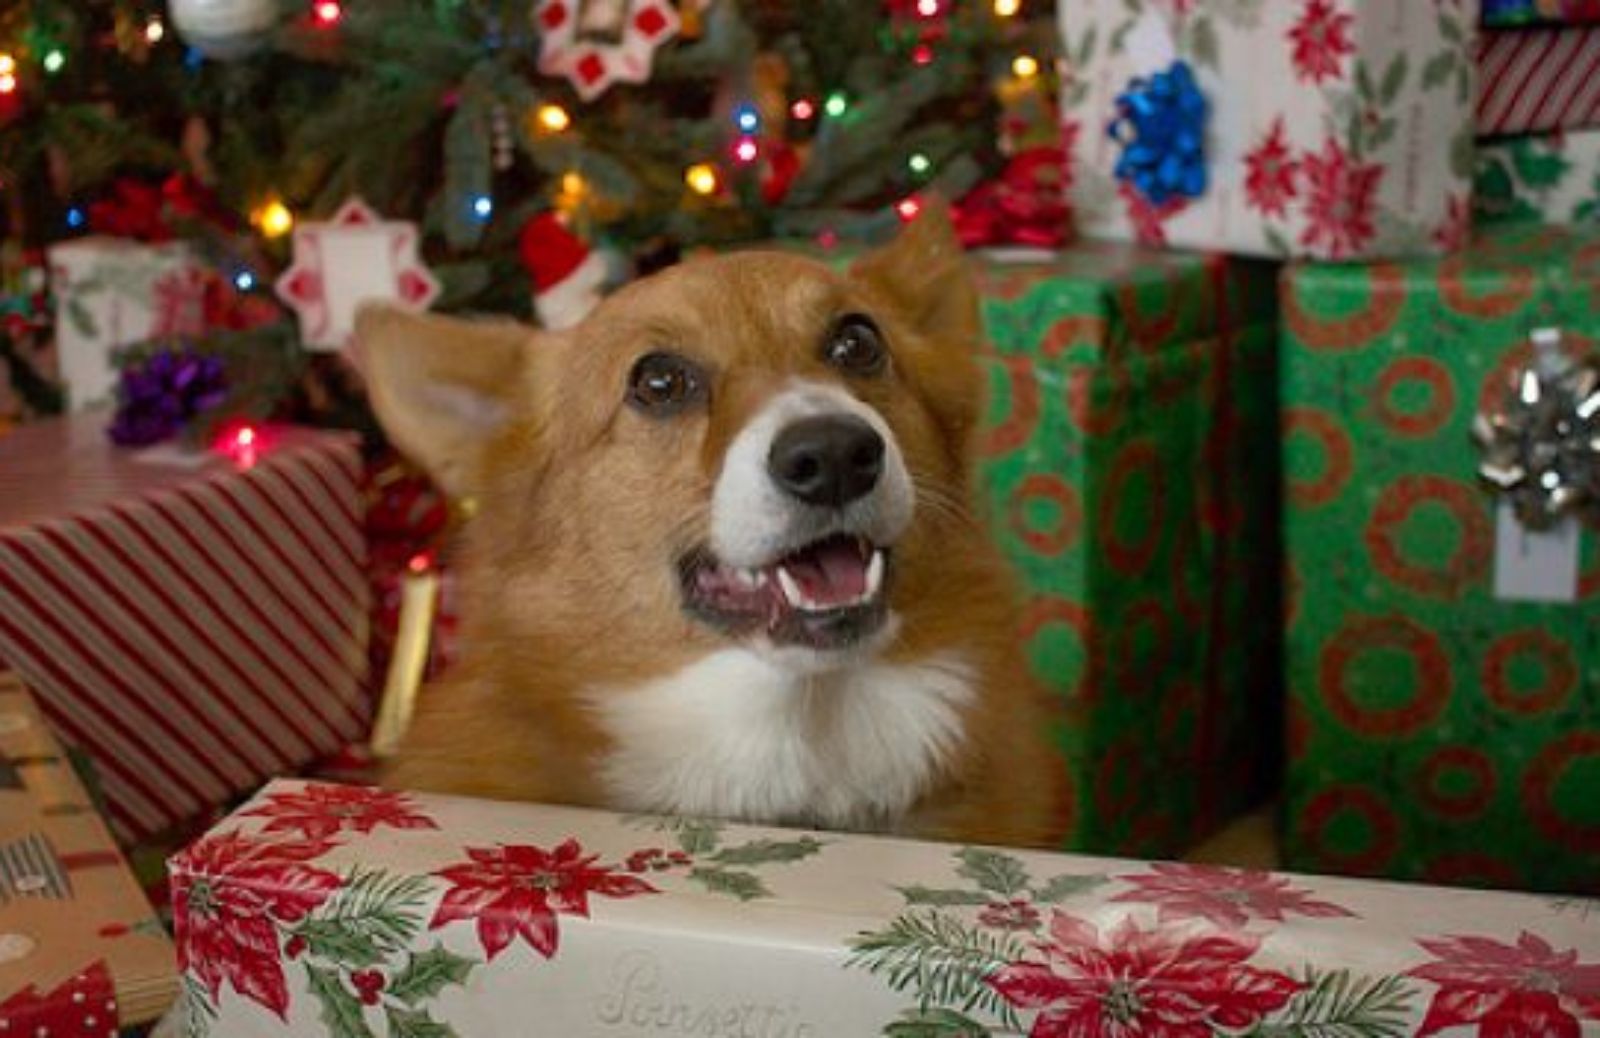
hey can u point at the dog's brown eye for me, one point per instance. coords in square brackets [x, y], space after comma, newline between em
[856, 346]
[664, 383]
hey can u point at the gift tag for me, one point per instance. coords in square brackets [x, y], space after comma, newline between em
[1535, 565]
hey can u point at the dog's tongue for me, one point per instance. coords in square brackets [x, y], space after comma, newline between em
[830, 573]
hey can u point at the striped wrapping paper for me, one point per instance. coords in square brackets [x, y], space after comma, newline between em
[197, 628]
[1535, 80]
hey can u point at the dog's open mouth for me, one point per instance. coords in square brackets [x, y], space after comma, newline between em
[829, 594]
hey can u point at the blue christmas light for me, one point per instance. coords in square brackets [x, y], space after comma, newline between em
[483, 207]
[193, 59]
[747, 118]
[244, 281]
[75, 218]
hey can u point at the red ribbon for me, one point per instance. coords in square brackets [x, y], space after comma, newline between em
[1026, 205]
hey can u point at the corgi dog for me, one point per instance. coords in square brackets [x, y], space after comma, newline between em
[723, 560]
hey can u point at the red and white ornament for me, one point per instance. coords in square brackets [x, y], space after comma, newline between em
[568, 277]
[338, 265]
[595, 43]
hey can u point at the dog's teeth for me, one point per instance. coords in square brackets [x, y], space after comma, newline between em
[874, 575]
[791, 589]
[747, 578]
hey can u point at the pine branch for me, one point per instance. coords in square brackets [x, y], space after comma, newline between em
[374, 915]
[1336, 1004]
[943, 961]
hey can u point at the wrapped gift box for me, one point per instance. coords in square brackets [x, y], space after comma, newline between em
[1125, 472]
[1537, 80]
[1502, 13]
[1545, 178]
[1334, 129]
[80, 950]
[1444, 723]
[195, 622]
[327, 910]
[113, 292]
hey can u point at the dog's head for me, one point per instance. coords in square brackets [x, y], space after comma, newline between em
[751, 447]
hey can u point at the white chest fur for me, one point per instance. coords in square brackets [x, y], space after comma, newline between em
[736, 735]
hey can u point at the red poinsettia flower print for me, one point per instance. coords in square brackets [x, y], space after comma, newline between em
[1340, 199]
[1520, 990]
[320, 812]
[1321, 41]
[1271, 173]
[1149, 221]
[516, 891]
[1229, 898]
[1150, 983]
[229, 896]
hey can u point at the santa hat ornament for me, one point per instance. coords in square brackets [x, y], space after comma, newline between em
[567, 275]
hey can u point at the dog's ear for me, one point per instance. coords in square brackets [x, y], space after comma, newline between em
[926, 274]
[441, 386]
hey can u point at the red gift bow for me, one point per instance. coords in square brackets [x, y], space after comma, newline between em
[1024, 206]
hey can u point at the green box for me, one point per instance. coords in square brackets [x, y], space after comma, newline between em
[1128, 470]
[1435, 731]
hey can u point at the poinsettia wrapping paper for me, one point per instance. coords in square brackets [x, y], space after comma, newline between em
[1547, 178]
[344, 911]
[197, 624]
[1536, 80]
[1129, 393]
[112, 292]
[1337, 128]
[1435, 731]
[80, 949]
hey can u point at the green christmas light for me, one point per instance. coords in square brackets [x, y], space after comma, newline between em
[836, 104]
[919, 163]
[53, 61]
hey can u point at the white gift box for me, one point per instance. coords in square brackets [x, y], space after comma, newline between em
[113, 292]
[331, 910]
[1336, 129]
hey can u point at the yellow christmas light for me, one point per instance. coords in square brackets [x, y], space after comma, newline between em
[275, 219]
[1007, 8]
[553, 118]
[701, 178]
[155, 31]
[8, 65]
[1025, 67]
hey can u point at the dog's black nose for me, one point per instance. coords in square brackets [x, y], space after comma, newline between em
[828, 460]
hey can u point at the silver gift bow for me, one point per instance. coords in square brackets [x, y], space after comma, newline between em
[1541, 449]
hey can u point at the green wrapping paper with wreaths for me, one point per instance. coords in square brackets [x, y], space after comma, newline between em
[1436, 730]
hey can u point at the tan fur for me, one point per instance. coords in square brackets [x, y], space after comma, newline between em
[584, 504]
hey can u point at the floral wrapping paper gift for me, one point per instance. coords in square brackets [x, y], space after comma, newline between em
[344, 911]
[1330, 129]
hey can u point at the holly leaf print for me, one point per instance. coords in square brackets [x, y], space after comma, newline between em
[1462, 153]
[917, 894]
[1438, 69]
[1085, 49]
[699, 837]
[1060, 888]
[341, 1011]
[1394, 79]
[746, 886]
[766, 852]
[993, 871]
[1204, 46]
[1383, 133]
[1538, 167]
[1276, 241]
[416, 1023]
[1364, 86]
[425, 974]
[935, 1023]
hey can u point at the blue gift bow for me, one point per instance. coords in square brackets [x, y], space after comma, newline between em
[1160, 124]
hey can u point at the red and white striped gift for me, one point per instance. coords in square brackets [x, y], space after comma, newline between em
[197, 626]
[1534, 80]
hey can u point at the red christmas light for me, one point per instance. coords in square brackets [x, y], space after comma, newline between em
[803, 109]
[327, 12]
[908, 208]
[745, 150]
[922, 54]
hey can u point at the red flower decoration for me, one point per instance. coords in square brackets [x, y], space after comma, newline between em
[1510, 991]
[320, 812]
[1321, 41]
[1141, 982]
[1457, 226]
[1270, 173]
[517, 891]
[1339, 206]
[1229, 898]
[1010, 915]
[1149, 221]
[229, 896]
